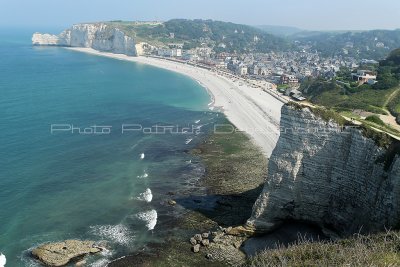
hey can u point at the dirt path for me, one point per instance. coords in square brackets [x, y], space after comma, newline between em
[390, 119]
[391, 96]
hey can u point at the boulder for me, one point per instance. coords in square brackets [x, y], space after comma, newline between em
[205, 242]
[198, 237]
[61, 253]
[205, 235]
[196, 248]
[193, 241]
[172, 202]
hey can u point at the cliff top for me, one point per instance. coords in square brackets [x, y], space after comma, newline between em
[381, 137]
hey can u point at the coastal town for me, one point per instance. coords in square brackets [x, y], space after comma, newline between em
[280, 72]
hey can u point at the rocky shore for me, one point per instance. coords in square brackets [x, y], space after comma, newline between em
[210, 233]
[62, 253]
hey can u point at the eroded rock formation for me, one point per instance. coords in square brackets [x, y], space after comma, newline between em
[336, 178]
[61, 253]
[98, 36]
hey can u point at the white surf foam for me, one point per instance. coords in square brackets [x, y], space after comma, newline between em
[142, 156]
[3, 260]
[116, 233]
[197, 121]
[146, 196]
[144, 175]
[150, 217]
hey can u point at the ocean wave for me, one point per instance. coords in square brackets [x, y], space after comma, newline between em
[146, 195]
[144, 175]
[116, 233]
[150, 217]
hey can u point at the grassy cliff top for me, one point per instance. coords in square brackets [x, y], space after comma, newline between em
[209, 33]
[369, 130]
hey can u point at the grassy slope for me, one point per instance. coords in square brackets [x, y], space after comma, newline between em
[393, 103]
[373, 250]
[369, 99]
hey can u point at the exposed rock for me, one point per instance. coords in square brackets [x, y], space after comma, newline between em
[209, 256]
[61, 253]
[336, 178]
[241, 231]
[193, 241]
[196, 248]
[227, 230]
[172, 202]
[205, 235]
[99, 36]
[197, 237]
[205, 242]
[237, 244]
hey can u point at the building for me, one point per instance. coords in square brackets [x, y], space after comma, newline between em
[364, 76]
[242, 70]
[169, 52]
[289, 79]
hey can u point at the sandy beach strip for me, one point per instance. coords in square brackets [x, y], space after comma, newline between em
[249, 109]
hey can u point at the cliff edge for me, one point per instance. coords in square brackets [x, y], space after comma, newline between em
[338, 178]
[98, 36]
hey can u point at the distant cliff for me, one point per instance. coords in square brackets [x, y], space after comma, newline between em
[345, 180]
[98, 36]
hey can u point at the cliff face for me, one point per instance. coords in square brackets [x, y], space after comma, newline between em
[337, 179]
[98, 36]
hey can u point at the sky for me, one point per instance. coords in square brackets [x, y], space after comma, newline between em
[304, 14]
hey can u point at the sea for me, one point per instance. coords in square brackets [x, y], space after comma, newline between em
[91, 148]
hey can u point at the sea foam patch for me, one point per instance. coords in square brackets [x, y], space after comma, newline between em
[146, 196]
[150, 217]
[3, 260]
[144, 175]
[116, 233]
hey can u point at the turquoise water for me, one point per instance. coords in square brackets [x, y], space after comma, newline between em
[60, 185]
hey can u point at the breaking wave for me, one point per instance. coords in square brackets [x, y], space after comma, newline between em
[150, 217]
[146, 196]
[116, 233]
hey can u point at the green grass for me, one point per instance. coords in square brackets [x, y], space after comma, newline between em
[331, 95]
[348, 114]
[381, 138]
[375, 119]
[369, 100]
[394, 104]
[372, 250]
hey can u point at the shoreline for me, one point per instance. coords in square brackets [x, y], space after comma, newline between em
[249, 109]
[223, 197]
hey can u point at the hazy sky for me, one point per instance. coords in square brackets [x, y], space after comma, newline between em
[306, 14]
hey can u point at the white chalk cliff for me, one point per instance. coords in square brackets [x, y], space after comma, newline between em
[99, 36]
[340, 180]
